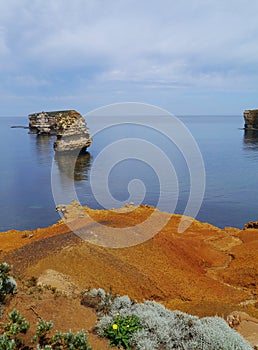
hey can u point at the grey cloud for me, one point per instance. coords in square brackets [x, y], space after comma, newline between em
[159, 44]
[118, 30]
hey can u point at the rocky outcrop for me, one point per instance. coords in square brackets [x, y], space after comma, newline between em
[45, 122]
[251, 224]
[71, 211]
[251, 119]
[69, 127]
[72, 134]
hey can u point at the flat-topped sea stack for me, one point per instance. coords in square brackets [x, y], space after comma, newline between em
[69, 127]
[72, 133]
[251, 119]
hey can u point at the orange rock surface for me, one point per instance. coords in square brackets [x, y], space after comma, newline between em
[204, 270]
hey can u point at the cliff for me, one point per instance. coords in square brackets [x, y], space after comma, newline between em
[69, 127]
[251, 119]
[205, 271]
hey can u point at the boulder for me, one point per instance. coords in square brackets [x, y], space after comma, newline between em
[246, 325]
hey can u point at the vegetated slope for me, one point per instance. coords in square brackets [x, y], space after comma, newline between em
[196, 271]
[45, 303]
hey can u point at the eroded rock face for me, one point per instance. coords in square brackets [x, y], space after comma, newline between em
[251, 119]
[72, 134]
[69, 127]
[46, 122]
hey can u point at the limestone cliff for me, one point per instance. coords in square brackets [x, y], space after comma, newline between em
[72, 134]
[251, 119]
[69, 126]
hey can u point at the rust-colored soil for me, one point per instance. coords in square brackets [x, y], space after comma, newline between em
[204, 271]
[36, 303]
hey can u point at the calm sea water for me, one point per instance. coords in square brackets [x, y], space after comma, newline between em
[29, 171]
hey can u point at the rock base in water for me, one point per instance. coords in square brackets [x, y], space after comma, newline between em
[72, 134]
[251, 119]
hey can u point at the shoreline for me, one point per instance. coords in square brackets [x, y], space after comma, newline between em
[127, 208]
[20, 238]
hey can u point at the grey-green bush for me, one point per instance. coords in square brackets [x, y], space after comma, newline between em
[172, 329]
[7, 283]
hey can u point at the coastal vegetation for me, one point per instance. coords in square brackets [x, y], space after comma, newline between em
[151, 326]
[126, 323]
[15, 330]
[205, 272]
[17, 327]
[7, 283]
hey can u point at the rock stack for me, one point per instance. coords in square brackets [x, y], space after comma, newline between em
[72, 134]
[251, 119]
[69, 127]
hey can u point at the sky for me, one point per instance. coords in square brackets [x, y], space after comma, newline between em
[186, 56]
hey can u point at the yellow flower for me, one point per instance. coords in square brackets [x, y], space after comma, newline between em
[115, 326]
[128, 326]
[118, 314]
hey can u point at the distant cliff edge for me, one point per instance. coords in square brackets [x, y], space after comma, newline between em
[251, 119]
[69, 127]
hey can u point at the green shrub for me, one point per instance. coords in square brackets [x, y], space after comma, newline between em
[70, 341]
[13, 329]
[165, 329]
[6, 343]
[42, 330]
[11, 339]
[121, 331]
[60, 340]
[17, 324]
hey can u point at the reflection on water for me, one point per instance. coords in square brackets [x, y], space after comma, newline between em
[74, 165]
[250, 140]
[43, 152]
[44, 143]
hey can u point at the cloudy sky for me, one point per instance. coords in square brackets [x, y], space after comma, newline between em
[187, 56]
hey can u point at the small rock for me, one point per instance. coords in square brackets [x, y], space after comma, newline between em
[251, 224]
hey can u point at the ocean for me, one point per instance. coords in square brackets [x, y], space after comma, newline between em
[127, 163]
